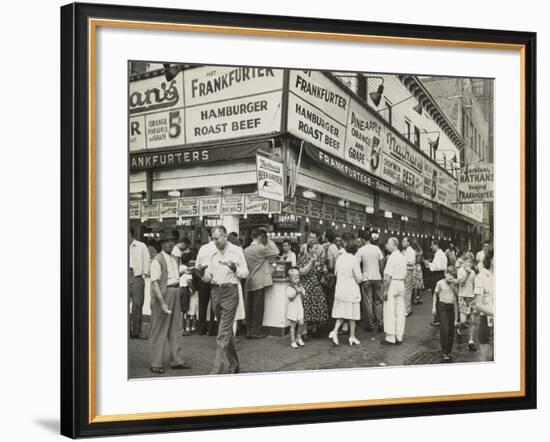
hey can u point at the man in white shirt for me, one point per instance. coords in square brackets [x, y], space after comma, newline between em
[226, 266]
[140, 261]
[480, 256]
[288, 254]
[437, 272]
[394, 294]
[370, 257]
[205, 290]
[165, 308]
[410, 256]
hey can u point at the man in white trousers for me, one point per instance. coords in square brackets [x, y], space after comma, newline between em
[394, 294]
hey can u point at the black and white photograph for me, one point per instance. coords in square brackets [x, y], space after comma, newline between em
[292, 220]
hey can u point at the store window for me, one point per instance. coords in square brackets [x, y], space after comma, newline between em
[408, 126]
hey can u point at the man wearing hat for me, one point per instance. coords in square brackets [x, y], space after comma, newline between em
[257, 257]
[165, 307]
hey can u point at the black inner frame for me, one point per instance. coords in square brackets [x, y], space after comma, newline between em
[75, 219]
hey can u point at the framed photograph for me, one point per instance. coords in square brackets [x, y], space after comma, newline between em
[273, 220]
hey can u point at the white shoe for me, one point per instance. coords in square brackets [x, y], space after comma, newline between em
[294, 345]
[354, 341]
[334, 337]
[300, 342]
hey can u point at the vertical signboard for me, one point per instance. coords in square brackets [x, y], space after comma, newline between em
[269, 172]
[475, 183]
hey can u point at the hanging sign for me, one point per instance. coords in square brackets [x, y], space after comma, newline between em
[270, 178]
[188, 207]
[134, 209]
[210, 205]
[233, 205]
[255, 204]
[475, 183]
[168, 208]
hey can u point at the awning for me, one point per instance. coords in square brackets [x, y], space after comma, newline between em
[193, 156]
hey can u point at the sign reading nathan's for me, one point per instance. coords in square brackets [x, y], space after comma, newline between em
[204, 104]
[475, 183]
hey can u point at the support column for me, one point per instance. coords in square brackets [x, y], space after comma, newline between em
[231, 223]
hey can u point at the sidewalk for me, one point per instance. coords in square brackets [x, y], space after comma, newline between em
[420, 346]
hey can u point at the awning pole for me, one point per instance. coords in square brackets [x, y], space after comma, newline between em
[297, 170]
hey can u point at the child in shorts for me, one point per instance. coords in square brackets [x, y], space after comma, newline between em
[295, 309]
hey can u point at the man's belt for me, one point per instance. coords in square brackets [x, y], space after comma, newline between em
[173, 286]
[223, 285]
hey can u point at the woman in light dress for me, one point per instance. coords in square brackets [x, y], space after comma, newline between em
[347, 296]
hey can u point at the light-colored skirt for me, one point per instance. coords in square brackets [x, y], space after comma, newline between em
[194, 305]
[346, 310]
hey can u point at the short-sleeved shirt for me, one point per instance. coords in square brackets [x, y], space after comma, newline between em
[439, 263]
[410, 256]
[484, 286]
[396, 266]
[291, 257]
[465, 290]
[445, 292]
[171, 268]
[480, 257]
[370, 257]
[333, 252]
[217, 273]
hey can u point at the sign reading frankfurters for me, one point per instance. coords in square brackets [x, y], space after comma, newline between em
[270, 178]
[230, 102]
[475, 183]
[317, 111]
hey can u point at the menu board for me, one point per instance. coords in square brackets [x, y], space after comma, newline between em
[315, 209]
[134, 209]
[233, 205]
[302, 206]
[355, 217]
[169, 208]
[329, 212]
[256, 204]
[340, 215]
[210, 205]
[188, 207]
[150, 210]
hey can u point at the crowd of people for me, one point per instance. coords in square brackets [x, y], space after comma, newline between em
[335, 282]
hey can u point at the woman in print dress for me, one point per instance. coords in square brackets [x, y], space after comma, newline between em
[418, 277]
[314, 301]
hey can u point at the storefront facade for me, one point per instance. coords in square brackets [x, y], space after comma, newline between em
[194, 140]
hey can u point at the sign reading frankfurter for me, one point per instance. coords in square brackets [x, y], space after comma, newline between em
[270, 178]
[230, 102]
[475, 183]
[317, 111]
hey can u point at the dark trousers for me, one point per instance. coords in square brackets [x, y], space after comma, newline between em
[205, 289]
[224, 302]
[432, 282]
[447, 327]
[254, 312]
[372, 302]
[137, 293]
